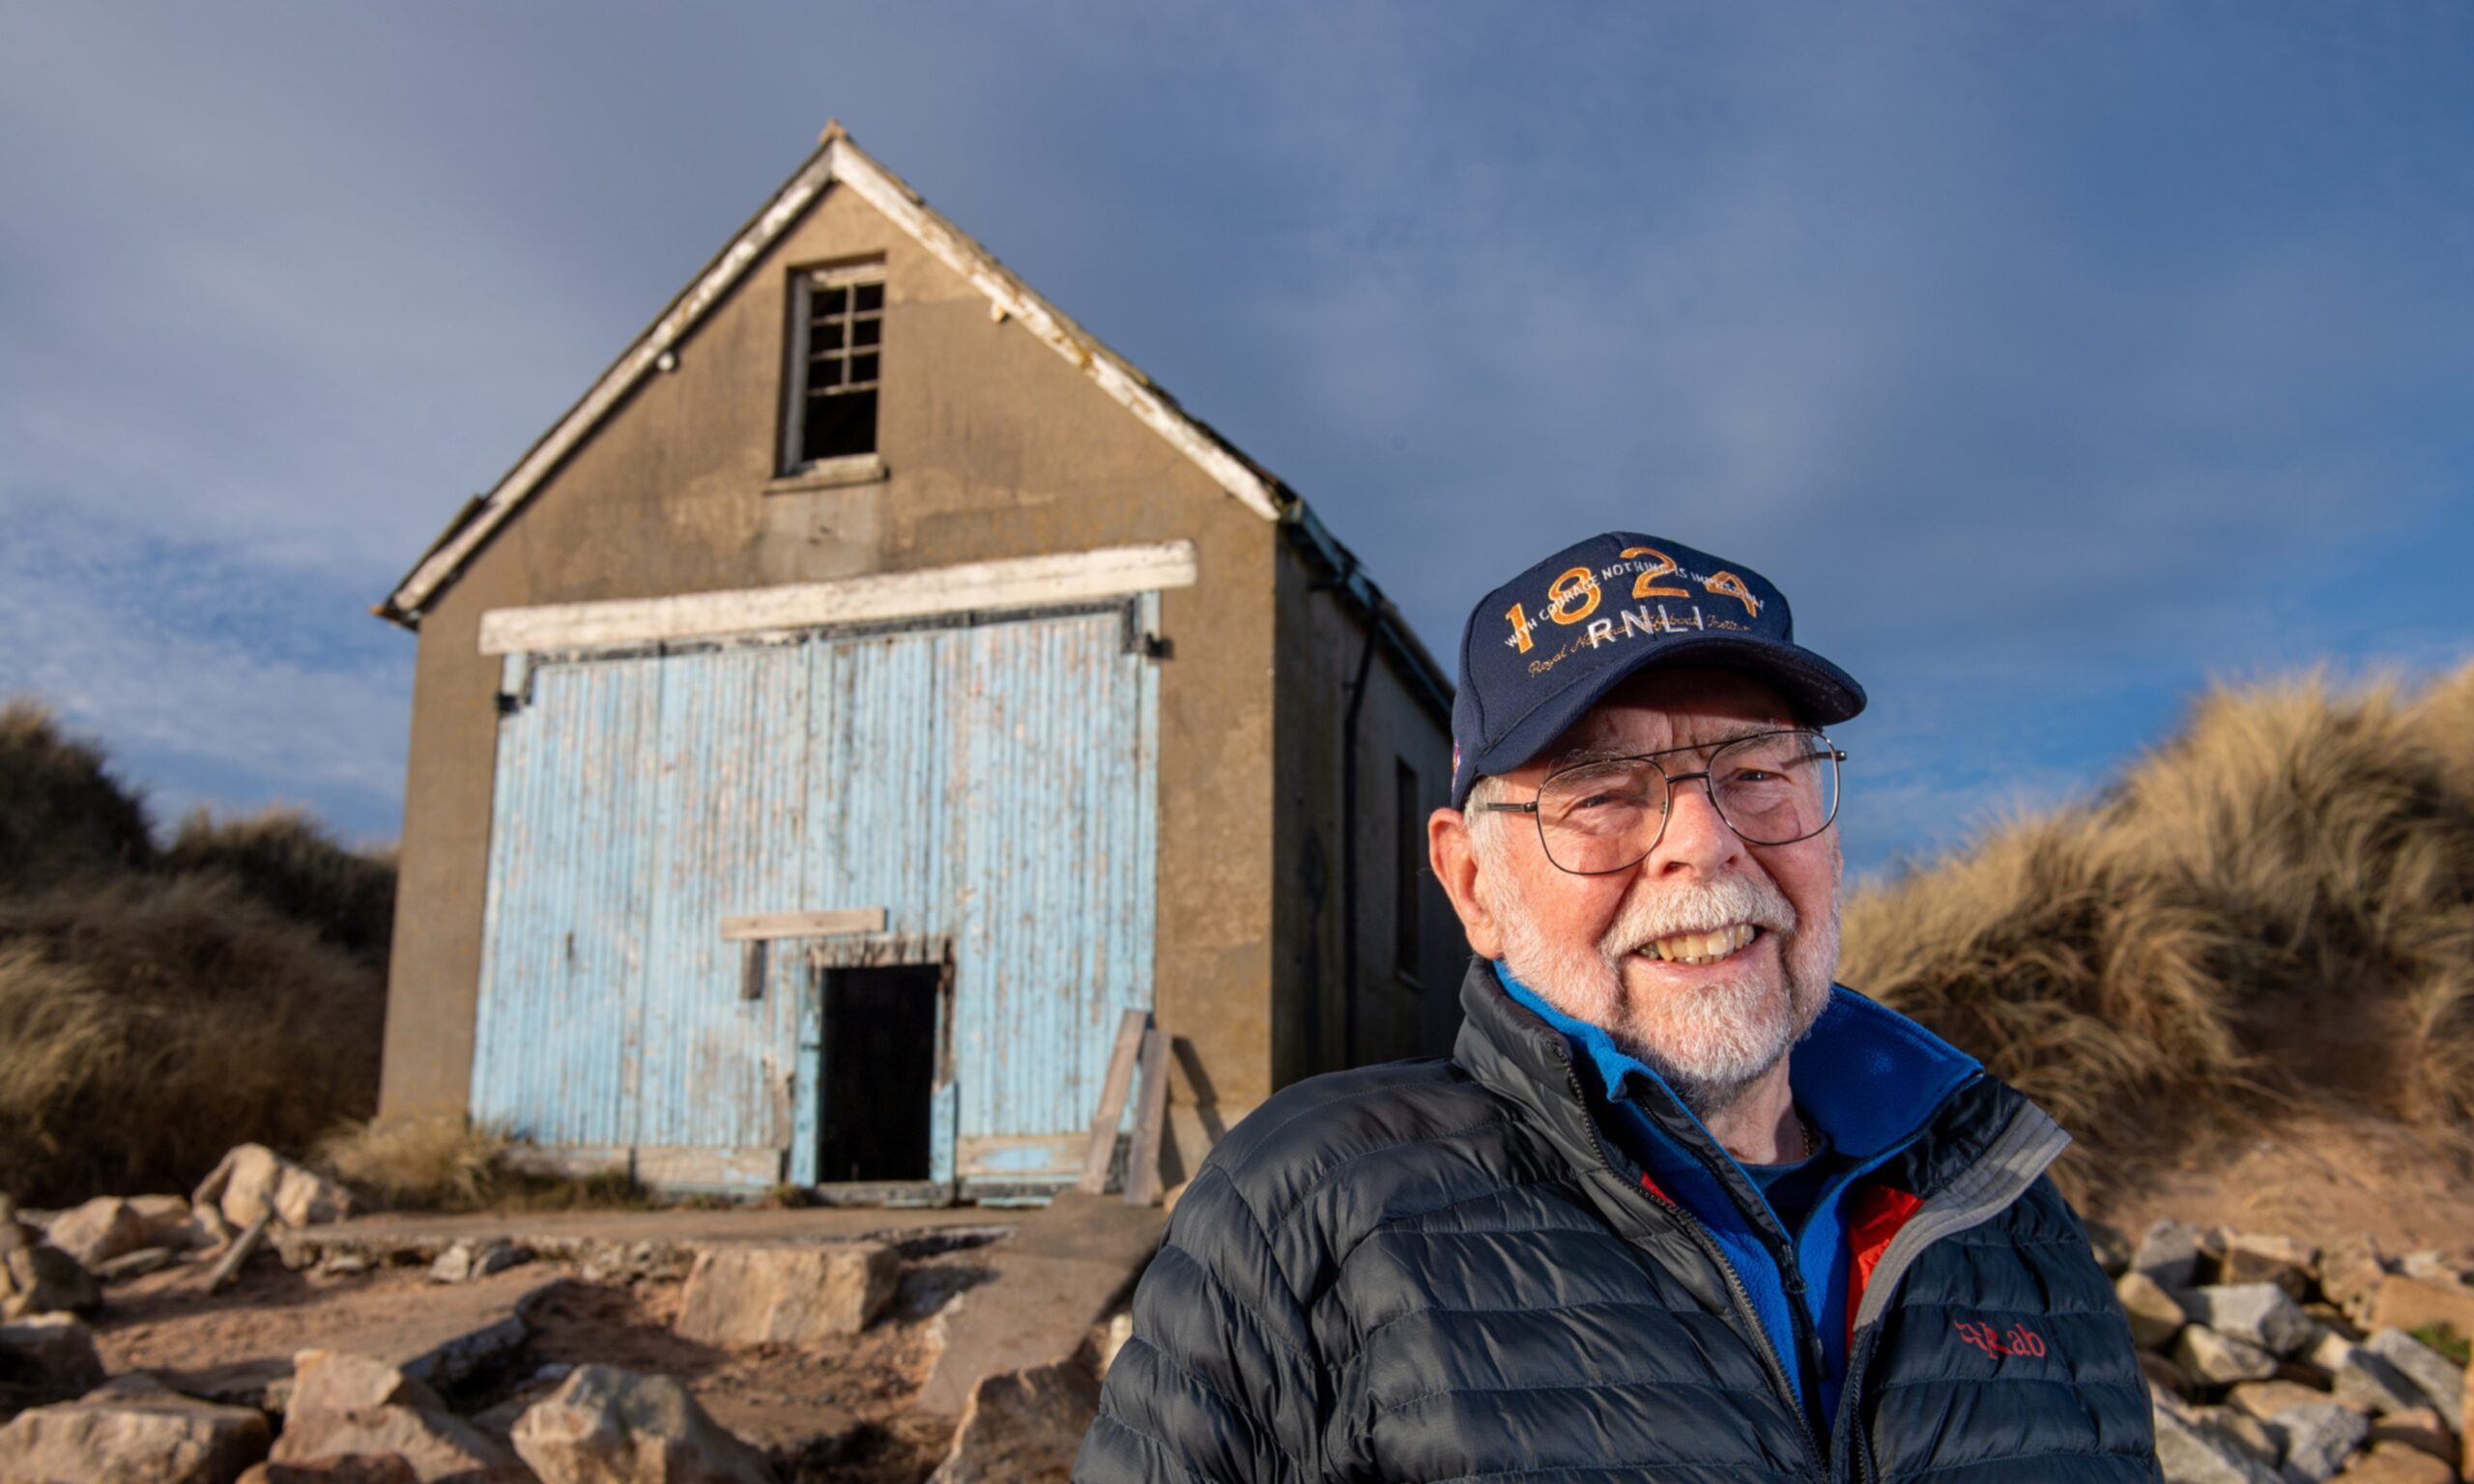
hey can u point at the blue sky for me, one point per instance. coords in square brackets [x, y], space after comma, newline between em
[2055, 359]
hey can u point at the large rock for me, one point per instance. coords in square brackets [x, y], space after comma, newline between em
[1021, 1427]
[2221, 1360]
[2351, 1271]
[253, 1181]
[608, 1426]
[746, 1294]
[2271, 1400]
[2420, 1428]
[2155, 1315]
[2169, 1253]
[132, 1431]
[2401, 1302]
[344, 1405]
[338, 1380]
[2320, 1437]
[2251, 1258]
[2192, 1452]
[98, 1231]
[2262, 1313]
[437, 1444]
[2442, 1379]
[2366, 1378]
[42, 1279]
[47, 1358]
[2394, 1462]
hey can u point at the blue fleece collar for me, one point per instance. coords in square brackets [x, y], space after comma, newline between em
[1867, 1076]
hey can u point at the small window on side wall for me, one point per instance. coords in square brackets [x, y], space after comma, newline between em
[837, 337]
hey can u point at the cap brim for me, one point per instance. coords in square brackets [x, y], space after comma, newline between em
[1821, 692]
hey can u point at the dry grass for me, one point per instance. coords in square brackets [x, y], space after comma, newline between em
[447, 1164]
[2275, 905]
[171, 1018]
[288, 860]
[158, 1008]
[62, 817]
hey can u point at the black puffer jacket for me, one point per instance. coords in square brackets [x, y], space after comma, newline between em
[1443, 1271]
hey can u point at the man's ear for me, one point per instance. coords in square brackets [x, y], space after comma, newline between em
[1453, 856]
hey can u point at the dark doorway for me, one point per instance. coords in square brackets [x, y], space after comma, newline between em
[879, 1065]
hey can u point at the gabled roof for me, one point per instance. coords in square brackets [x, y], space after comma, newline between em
[839, 161]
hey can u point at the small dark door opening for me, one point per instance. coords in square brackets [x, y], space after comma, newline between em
[879, 1066]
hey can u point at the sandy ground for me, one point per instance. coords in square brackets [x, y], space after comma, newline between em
[2317, 1175]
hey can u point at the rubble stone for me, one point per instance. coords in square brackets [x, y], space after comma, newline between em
[2169, 1253]
[748, 1295]
[464, 1261]
[435, 1444]
[2264, 1440]
[2394, 1462]
[132, 1431]
[253, 1181]
[1023, 1427]
[2402, 1303]
[608, 1426]
[49, 1357]
[134, 1265]
[103, 1229]
[2251, 1258]
[42, 1279]
[2368, 1377]
[2262, 1313]
[2431, 1266]
[2272, 1399]
[2221, 1360]
[2351, 1271]
[2194, 1453]
[2320, 1437]
[343, 1469]
[2418, 1428]
[338, 1380]
[164, 1216]
[2163, 1375]
[2111, 1248]
[2442, 1379]
[2155, 1315]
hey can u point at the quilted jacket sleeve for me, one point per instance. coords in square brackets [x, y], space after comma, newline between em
[1220, 1381]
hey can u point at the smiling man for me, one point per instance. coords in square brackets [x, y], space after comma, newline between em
[1677, 1207]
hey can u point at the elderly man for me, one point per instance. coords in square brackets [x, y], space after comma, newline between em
[1677, 1208]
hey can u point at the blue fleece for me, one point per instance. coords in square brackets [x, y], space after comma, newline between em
[1868, 1077]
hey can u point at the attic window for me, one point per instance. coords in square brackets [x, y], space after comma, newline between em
[837, 334]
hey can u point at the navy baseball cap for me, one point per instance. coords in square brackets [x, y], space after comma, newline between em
[1547, 645]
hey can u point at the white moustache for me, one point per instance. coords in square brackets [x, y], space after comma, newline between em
[1703, 907]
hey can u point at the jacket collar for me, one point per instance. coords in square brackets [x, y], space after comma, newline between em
[1870, 1077]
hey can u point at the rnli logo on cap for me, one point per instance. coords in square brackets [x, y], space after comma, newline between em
[1573, 598]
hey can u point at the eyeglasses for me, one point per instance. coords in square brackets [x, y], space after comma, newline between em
[1770, 787]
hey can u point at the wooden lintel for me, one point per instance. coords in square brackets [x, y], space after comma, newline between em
[802, 924]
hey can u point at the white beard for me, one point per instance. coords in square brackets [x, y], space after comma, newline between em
[1708, 1044]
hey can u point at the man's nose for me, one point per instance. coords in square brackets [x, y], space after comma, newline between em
[1697, 838]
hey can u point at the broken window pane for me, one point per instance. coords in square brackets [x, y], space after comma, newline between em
[871, 296]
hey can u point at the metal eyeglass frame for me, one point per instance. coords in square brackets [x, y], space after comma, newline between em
[1666, 811]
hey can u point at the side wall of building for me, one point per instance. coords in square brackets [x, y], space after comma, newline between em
[1409, 949]
[993, 445]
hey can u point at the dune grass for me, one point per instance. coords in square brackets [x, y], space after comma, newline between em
[2274, 905]
[159, 1007]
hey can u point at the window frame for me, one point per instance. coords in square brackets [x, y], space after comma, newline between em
[789, 462]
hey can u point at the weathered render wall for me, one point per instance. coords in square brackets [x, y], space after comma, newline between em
[1403, 1007]
[993, 445]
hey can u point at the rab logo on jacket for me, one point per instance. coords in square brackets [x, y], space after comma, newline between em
[2019, 1341]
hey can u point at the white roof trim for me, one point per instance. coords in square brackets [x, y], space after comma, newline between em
[974, 586]
[836, 160]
